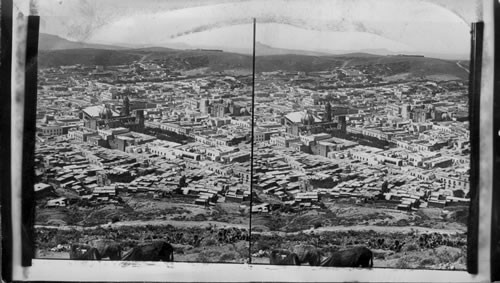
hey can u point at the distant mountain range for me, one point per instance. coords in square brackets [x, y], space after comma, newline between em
[56, 51]
[54, 42]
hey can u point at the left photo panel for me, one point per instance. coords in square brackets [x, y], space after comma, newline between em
[143, 132]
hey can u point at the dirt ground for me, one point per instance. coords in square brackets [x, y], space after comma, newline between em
[229, 253]
[139, 219]
[428, 259]
[140, 209]
[348, 215]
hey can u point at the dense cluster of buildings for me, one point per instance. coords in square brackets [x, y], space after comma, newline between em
[317, 136]
[99, 134]
[410, 137]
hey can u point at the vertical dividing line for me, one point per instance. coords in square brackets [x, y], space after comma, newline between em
[252, 148]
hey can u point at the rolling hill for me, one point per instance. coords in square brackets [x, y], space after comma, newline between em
[218, 61]
[87, 56]
[54, 42]
[265, 50]
[177, 59]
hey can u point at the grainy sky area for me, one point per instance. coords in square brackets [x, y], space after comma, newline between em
[415, 26]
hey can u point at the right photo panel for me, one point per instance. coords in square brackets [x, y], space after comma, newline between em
[361, 144]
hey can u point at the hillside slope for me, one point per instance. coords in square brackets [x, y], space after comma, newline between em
[54, 42]
[219, 61]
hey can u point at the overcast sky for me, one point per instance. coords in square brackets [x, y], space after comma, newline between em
[397, 25]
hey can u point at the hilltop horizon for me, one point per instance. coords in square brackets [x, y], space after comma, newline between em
[49, 42]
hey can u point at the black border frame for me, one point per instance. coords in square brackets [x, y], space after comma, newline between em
[5, 132]
[495, 217]
[474, 124]
[29, 140]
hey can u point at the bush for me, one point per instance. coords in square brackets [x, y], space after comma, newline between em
[258, 229]
[242, 251]
[317, 224]
[427, 261]
[410, 247]
[208, 256]
[448, 256]
[402, 264]
[202, 258]
[263, 245]
[200, 217]
[462, 260]
[402, 222]
[228, 257]
[180, 250]
[208, 242]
